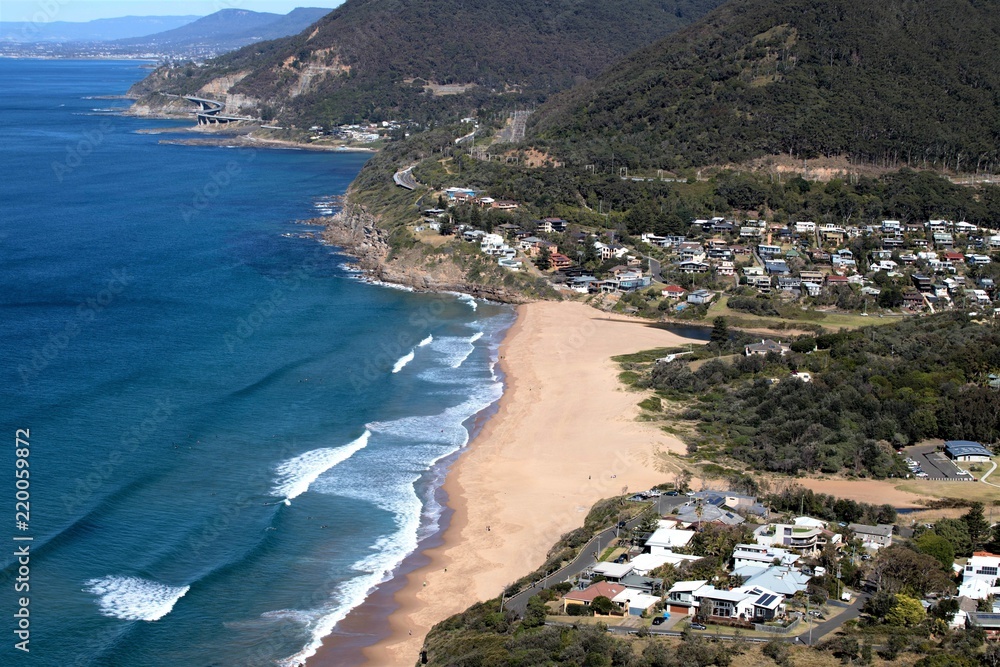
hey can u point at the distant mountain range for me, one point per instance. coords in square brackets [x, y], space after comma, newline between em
[894, 82]
[375, 59]
[99, 30]
[228, 29]
[178, 36]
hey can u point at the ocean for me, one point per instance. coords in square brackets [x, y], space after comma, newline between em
[232, 439]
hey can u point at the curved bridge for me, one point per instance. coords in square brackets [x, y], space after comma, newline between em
[210, 112]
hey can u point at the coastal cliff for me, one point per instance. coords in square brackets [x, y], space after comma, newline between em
[356, 230]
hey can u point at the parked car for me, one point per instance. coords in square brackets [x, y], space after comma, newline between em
[698, 626]
[672, 493]
[813, 612]
[658, 620]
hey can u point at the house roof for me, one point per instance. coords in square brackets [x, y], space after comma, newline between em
[780, 580]
[605, 588]
[636, 598]
[882, 530]
[613, 570]
[709, 514]
[669, 537]
[688, 586]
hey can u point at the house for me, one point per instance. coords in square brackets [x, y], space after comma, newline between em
[978, 260]
[777, 267]
[891, 226]
[680, 597]
[643, 564]
[979, 576]
[768, 251]
[747, 603]
[805, 539]
[693, 267]
[730, 499]
[781, 579]
[665, 540]
[943, 240]
[587, 595]
[725, 268]
[701, 296]
[612, 572]
[805, 227]
[460, 193]
[966, 450]
[673, 292]
[634, 602]
[559, 261]
[873, 537]
[760, 555]
[699, 513]
[811, 276]
[642, 584]
[766, 346]
[989, 623]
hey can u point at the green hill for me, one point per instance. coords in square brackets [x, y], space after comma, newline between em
[898, 82]
[374, 59]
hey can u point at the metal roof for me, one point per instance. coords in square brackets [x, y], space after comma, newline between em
[956, 448]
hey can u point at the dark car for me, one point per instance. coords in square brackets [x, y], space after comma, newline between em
[658, 620]
[698, 626]
[672, 493]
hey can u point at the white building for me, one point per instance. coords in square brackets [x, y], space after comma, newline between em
[665, 540]
[979, 578]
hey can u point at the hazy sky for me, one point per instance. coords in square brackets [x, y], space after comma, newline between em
[86, 10]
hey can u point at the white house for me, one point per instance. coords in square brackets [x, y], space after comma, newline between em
[680, 597]
[747, 603]
[761, 555]
[873, 537]
[665, 540]
[979, 578]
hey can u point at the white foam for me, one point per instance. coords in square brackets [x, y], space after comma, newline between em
[426, 341]
[294, 476]
[403, 360]
[471, 301]
[133, 598]
[471, 347]
[430, 438]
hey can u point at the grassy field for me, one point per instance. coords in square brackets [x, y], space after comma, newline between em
[831, 321]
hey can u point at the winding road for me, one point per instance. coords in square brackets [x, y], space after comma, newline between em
[404, 178]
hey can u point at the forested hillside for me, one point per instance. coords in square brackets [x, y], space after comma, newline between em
[371, 59]
[899, 82]
[871, 389]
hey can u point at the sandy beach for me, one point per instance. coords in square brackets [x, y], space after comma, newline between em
[564, 437]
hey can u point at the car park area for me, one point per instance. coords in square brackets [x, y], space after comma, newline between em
[927, 462]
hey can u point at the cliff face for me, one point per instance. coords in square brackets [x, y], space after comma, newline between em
[356, 230]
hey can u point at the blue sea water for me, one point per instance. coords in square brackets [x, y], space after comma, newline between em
[232, 439]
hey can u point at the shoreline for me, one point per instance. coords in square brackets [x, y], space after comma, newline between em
[507, 498]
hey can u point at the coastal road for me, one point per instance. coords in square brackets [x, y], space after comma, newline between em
[586, 558]
[404, 178]
[826, 627]
[654, 269]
